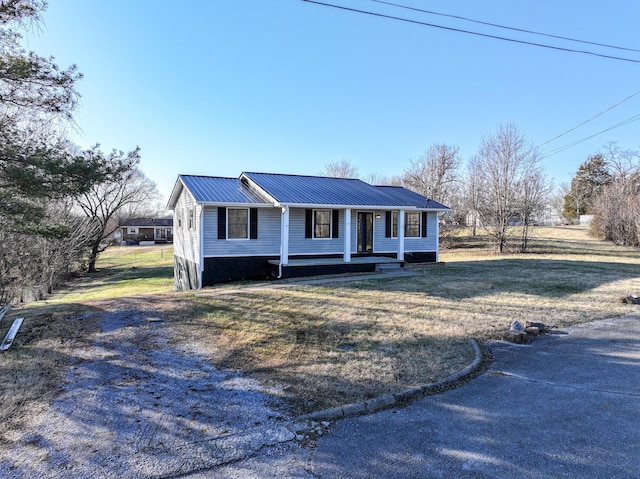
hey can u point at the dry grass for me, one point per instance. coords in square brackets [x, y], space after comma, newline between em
[344, 342]
[33, 369]
[336, 343]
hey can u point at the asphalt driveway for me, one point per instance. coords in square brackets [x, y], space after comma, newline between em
[567, 405]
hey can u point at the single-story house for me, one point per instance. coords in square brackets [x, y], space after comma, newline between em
[146, 231]
[264, 224]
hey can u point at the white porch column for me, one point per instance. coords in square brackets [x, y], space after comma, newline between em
[401, 235]
[347, 235]
[284, 236]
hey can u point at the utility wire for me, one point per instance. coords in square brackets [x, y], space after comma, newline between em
[590, 119]
[577, 142]
[459, 30]
[504, 26]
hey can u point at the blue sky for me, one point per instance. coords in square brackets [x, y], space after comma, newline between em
[284, 86]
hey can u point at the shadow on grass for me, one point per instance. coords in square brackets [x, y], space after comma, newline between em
[320, 358]
[540, 277]
[143, 272]
[33, 369]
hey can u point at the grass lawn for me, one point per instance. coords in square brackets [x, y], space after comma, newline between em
[122, 271]
[330, 344]
[337, 343]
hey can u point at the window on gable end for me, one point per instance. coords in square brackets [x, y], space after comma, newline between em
[191, 219]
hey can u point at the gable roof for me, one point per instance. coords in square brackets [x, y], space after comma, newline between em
[321, 190]
[297, 190]
[215, 189]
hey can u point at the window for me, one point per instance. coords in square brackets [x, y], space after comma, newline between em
[322, 224]
[238, 223]
[190, 217]
[179, 216]
[412, 225]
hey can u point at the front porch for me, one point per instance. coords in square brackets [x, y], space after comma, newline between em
[297, 267]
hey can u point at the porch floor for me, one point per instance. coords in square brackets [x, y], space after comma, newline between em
[362, 260]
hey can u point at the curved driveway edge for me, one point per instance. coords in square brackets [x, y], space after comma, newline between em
[565, 406]
[390, 400]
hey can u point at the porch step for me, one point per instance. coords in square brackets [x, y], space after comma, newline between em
[388, 267]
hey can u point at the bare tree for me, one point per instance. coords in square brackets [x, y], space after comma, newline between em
[506, 164]
[471, 194]
[622, 163]
[340, 169]
[434, 174]
[534, 192]
[616, 208]
[617, 213]
[126, 189]
[379, 179]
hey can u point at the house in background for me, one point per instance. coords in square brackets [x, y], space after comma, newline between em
[262, 224]
[146, 231]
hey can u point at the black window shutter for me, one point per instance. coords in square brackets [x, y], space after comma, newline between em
[387, 224]
[308, 224]
[335, 218]
[222, 223]
[424, 224]
[253, 223]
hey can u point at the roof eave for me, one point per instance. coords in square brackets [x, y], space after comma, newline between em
[175, 193]
[344, 207]
[236, 205]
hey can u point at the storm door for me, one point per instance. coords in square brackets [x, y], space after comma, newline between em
[365, 232]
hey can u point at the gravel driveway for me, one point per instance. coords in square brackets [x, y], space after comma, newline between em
[135, 406]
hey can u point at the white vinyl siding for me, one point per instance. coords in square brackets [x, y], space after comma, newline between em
[299, 245]
[186, 241]
[267, 244]
[383, 244]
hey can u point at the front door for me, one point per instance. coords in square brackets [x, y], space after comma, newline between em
[365, 232]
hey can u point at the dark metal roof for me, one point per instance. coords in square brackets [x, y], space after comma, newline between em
[321, 190]
[161, 222]
[298, 190]
[212, 189]
[412, 198]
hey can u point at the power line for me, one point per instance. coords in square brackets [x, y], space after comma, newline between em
[590, 119]
[459, 30]
[577, 142]
[504, 26]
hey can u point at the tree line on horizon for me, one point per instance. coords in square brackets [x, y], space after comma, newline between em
[504, 184]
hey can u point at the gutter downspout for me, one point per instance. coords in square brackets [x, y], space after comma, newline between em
[201, 241]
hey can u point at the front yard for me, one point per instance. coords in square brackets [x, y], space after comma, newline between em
[325, 345]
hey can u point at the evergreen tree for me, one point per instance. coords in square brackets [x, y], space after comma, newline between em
[591, 177]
